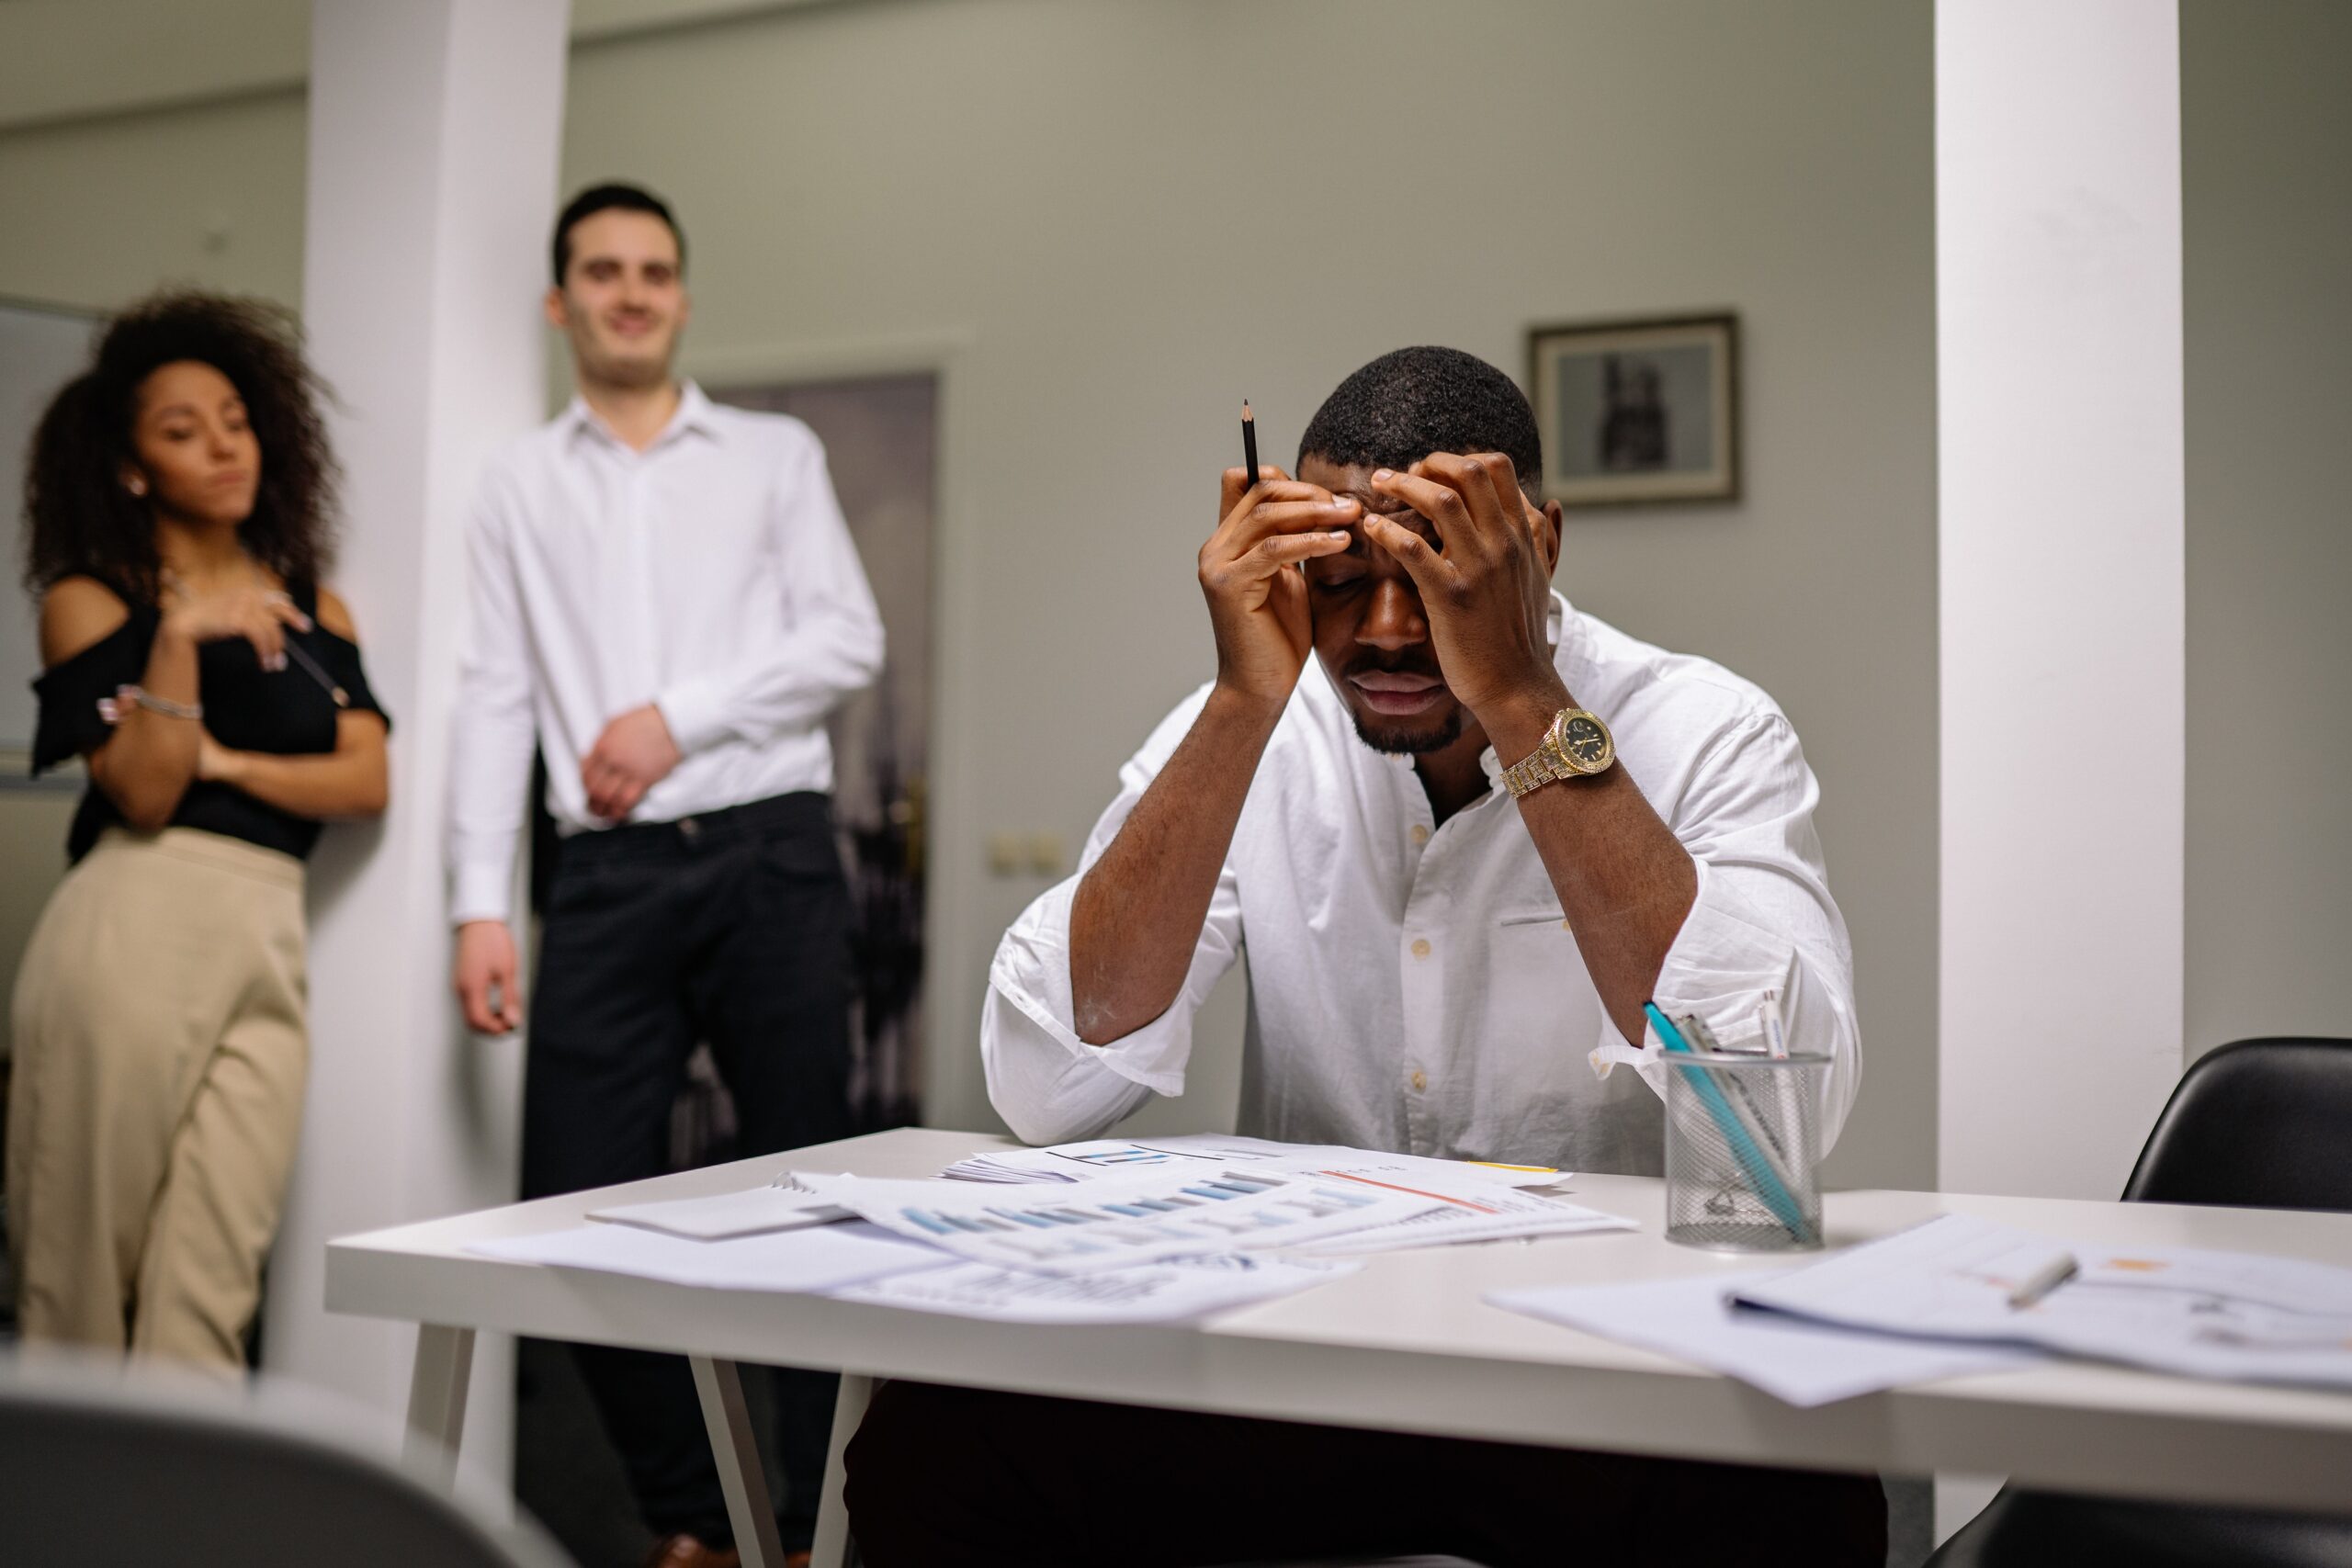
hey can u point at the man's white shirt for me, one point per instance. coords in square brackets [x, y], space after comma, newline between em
[711, 575]
[1414, 986]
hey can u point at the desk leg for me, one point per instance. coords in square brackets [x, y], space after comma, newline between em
[436, 1397]
[833, 1512]
[740, 1475]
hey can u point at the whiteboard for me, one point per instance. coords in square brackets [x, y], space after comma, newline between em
[41, 348]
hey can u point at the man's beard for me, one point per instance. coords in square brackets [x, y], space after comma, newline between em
[1410, 742]
[635, 374]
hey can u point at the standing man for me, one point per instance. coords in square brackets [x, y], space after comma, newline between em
[666, 602]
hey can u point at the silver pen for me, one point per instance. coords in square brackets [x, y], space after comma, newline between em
[2044, 1279]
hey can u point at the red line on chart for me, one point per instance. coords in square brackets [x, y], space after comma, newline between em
[1414, 1192]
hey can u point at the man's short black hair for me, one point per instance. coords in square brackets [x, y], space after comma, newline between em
[1404, 405]
[603, 199]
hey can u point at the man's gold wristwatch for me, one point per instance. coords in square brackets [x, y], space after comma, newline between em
[1577, 746]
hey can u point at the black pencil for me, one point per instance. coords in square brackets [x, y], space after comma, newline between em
[1249, 446]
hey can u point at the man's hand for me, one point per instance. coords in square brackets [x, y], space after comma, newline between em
[489, 981]
[633, 755]
[1249, 574]
[1487, 596]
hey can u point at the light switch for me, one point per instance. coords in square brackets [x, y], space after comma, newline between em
[1007, 853]
[1046, 853]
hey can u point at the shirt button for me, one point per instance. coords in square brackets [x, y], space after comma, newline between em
[1420, 1081]
[1420, 833]
[1420, 947]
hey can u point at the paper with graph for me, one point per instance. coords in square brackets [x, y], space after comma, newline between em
[1119, 1221]
[1175, 1292]
[1097, 1157]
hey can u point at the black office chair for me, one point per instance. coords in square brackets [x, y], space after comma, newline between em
[2259, 1124]
[101, 1467]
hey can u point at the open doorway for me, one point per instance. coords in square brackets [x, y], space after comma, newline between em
[881, 436]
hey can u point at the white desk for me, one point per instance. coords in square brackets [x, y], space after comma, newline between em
[1406, 1343]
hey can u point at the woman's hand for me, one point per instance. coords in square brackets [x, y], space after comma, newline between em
[215, 763]
[250, 609]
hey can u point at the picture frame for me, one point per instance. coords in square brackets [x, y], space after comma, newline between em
[1638, 412]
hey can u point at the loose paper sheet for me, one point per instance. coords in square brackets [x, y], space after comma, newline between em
[1800, 1362]
[2231, 1315]
[824, 1258]
[1467, 1207]
[1176, 1292]
[725, 1214]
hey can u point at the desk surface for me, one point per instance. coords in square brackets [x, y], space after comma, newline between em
[1408, 1343]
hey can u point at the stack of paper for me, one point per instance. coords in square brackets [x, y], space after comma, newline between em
[2230, 1315]
[1122, 1221]
[1159, 1232]
[1940, 1298]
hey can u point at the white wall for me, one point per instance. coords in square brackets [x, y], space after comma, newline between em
[432, 178]
[1112, 219]
[2266, 176]
[2060, 560]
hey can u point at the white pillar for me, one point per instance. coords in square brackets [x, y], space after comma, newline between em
[434, 126]
[2060, 551]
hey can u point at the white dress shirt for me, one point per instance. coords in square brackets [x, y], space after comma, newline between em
[710, 575]
[1413, 987]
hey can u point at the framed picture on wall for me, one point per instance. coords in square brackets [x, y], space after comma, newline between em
[1638, 412]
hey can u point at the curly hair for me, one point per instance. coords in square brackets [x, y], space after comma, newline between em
[1413, 402]
[79, 520]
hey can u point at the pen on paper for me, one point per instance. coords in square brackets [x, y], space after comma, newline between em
[2044, 1279]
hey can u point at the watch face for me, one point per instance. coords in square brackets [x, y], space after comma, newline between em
[1584, 741]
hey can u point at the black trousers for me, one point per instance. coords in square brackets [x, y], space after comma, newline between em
[730, 928]
[957, 1477]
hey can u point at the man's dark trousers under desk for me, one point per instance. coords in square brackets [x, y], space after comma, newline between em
[730, 928]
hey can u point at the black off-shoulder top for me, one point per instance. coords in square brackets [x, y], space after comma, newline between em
[290, 712]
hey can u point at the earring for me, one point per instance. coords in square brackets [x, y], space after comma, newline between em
[135, 485]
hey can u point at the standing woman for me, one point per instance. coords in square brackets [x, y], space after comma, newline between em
[176, 530]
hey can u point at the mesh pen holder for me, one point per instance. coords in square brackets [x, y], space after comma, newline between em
[1743, 1151]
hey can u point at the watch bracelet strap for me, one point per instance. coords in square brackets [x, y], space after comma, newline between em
[1542, 766]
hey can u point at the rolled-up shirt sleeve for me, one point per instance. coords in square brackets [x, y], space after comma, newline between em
[1049, 1083]
[1763, 919]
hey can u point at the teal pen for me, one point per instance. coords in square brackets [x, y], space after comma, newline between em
[1753, 1162]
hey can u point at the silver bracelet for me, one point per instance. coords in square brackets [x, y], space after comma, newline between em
[164, 705]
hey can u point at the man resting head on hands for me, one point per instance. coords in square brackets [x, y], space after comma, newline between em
[1436, 965]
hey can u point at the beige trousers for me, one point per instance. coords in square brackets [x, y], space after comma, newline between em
[159, 1059]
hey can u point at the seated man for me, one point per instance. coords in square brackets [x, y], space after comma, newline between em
[1452, 916]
